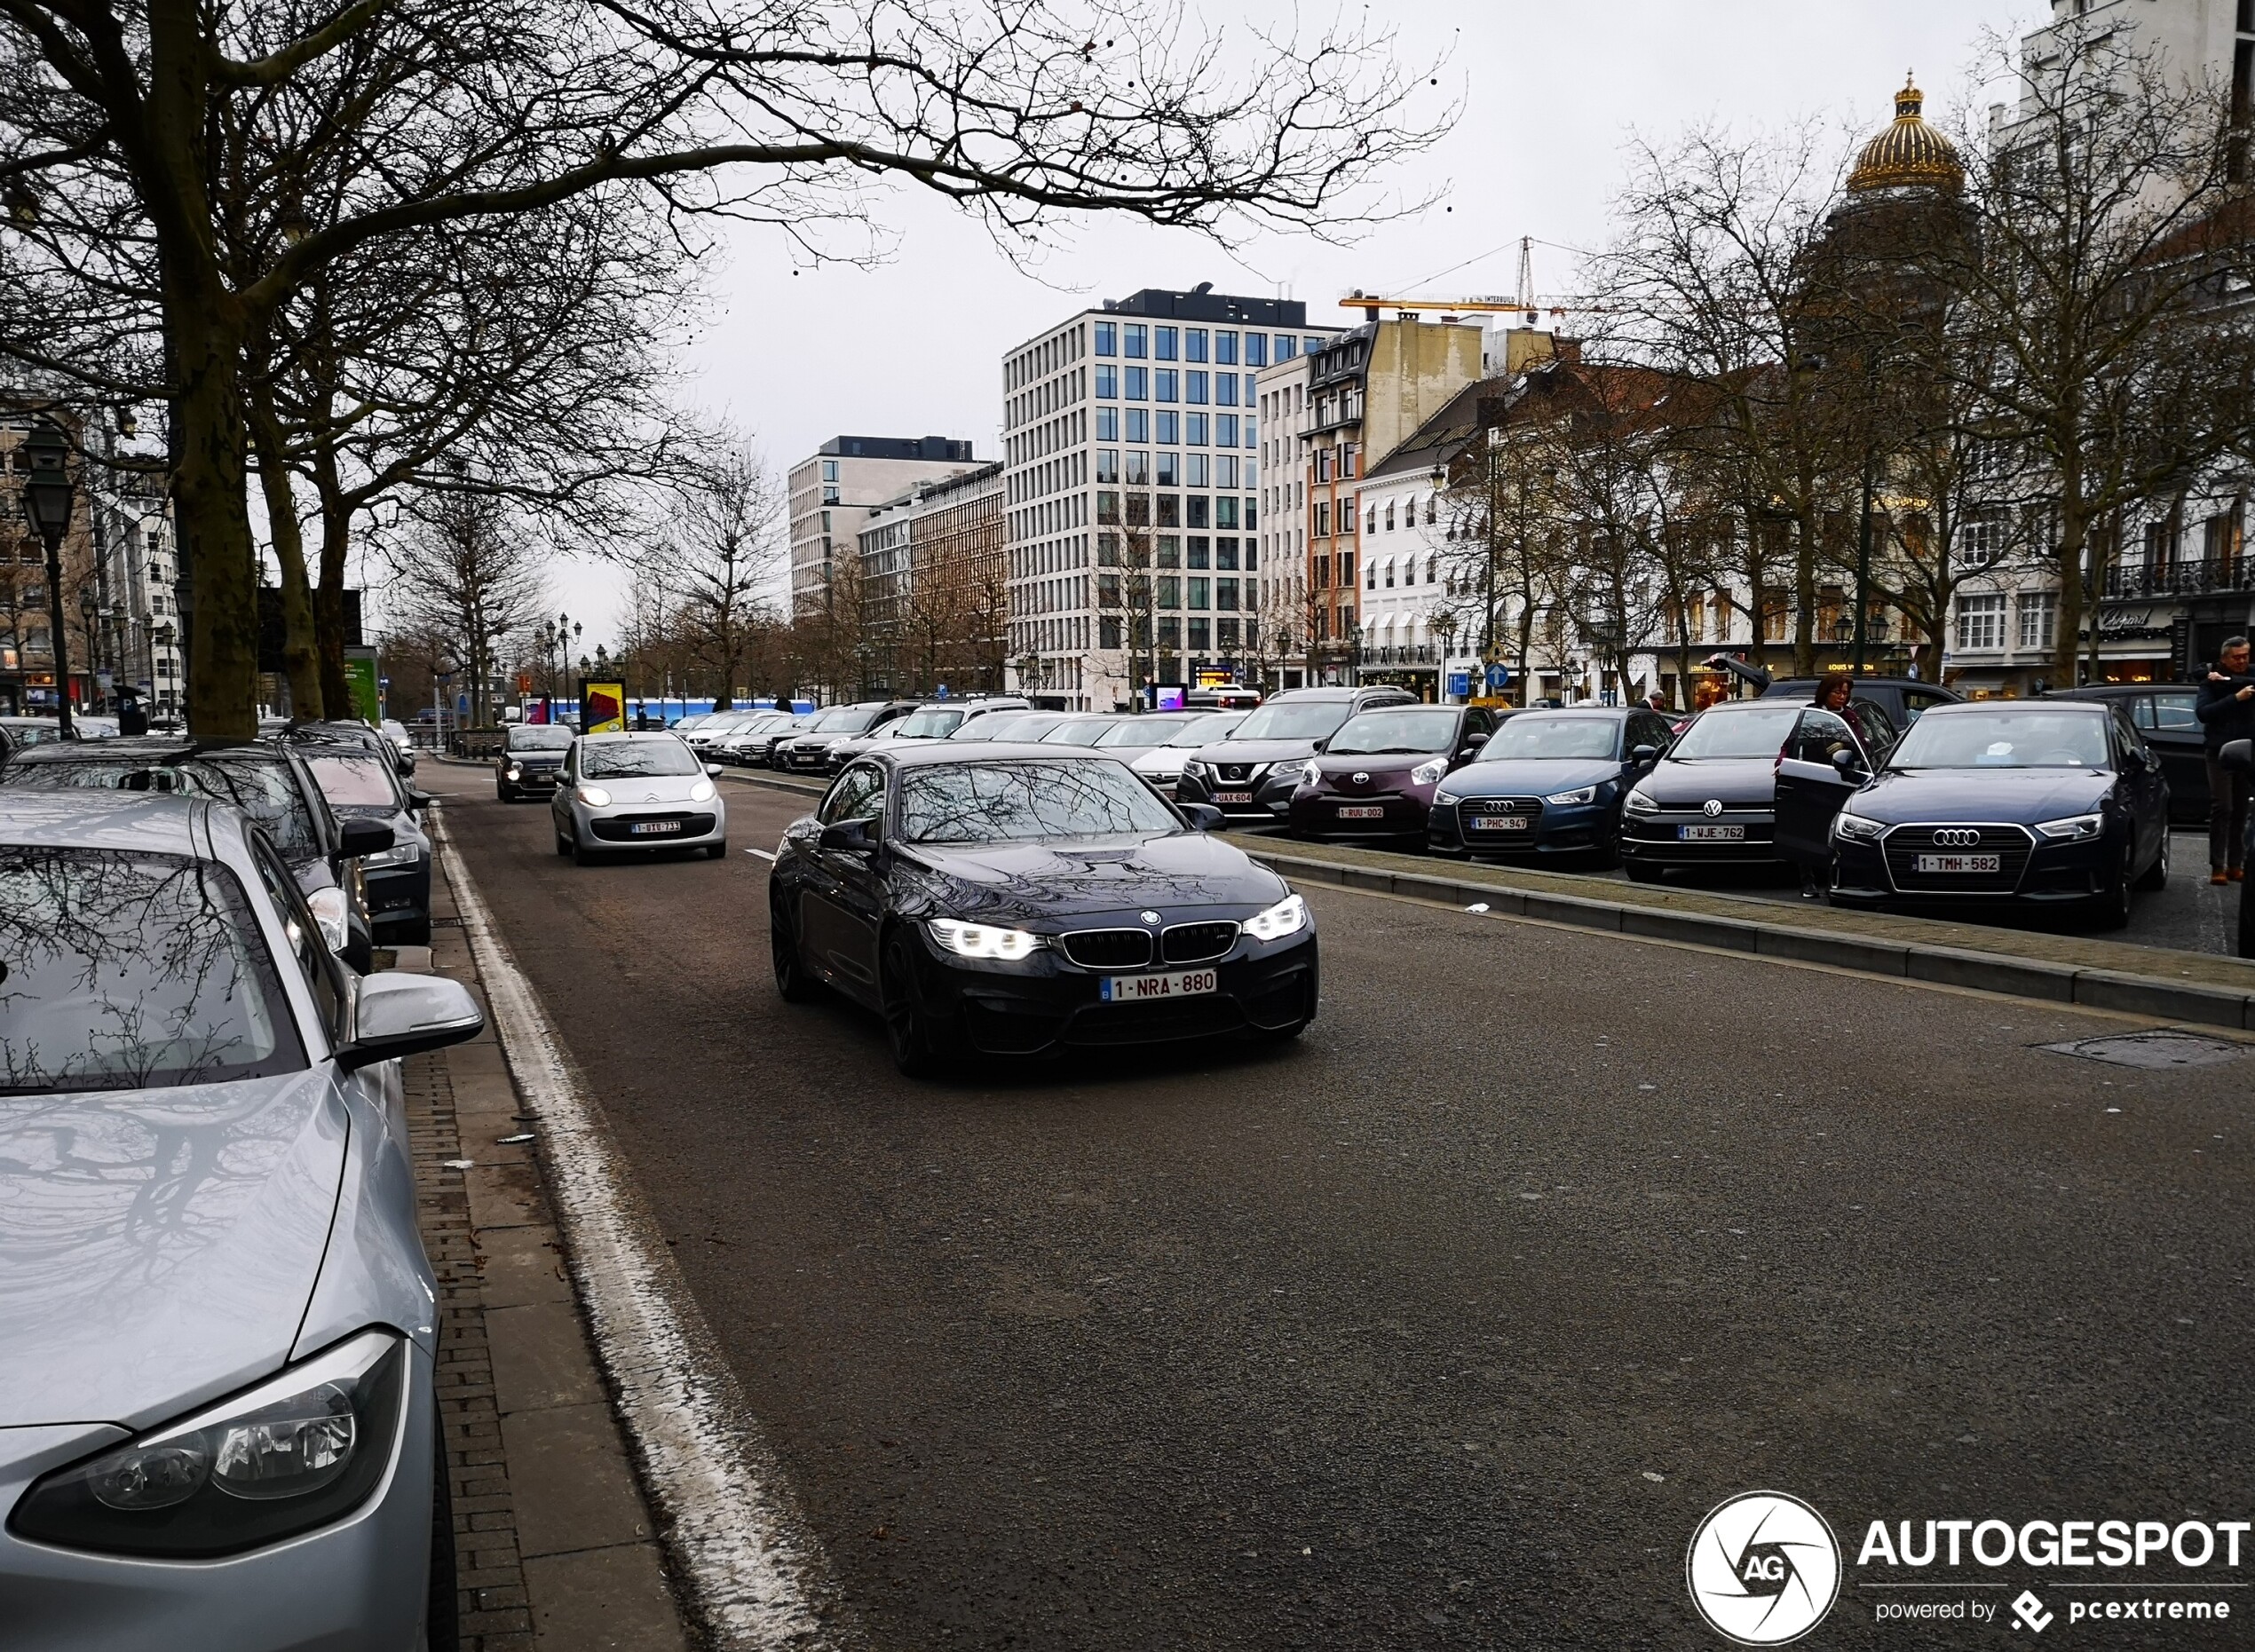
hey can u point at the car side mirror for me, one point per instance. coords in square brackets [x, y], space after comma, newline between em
[418, 801]
[2238, 757]
[363, 837]
[857, 836]
[1202, 817]
[404, 762]
[712, 768]
[1323, 743]
[1644, 756]
[395, 1014]
[1848, 764]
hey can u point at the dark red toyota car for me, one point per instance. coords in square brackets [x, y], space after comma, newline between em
[1374, 779]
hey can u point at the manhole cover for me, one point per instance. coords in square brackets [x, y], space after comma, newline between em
[2155, 1049]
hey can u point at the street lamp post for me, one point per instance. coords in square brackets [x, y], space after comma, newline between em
[86, 617]
[48, 496]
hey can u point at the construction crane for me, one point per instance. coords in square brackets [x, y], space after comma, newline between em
[1485, 304]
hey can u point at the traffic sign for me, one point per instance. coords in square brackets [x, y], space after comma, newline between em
[1460, 685]
[940, 692]
[1499, 677]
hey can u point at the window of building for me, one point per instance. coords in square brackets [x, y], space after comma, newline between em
[1370, 574]
[2039, 613]
[1409, 571]
[1350, 461]
[1169, 427]
[1194, 470]
[1169, 554]
[1138, 384]
[1162, 343]
[1139, 511]
[1138, 468]
[1432, 569]
[1165, 383]
[1194, 388]
[1225, 553]
[1287, 346]
[1137, 341]
[1225, 392]
[1321, 527]
[1201, 593]
[1170, 465]
[1107, 385]
[1107, 632]
[1170, 632]
[1981, 620]
[1256, 349]
[2161, 545]
[1199, 517]
[829, 470]
[1138, 424]
[1225, 349]
[1252, 513]
[1324, 460]
[1201, 638]
[830, 494]
[1170, 511]
[1107, 464]
[1226, 471]
[1193, 343]
[1107, 550]
[1225, 513]
[1194, 429]
[1199, 551]
[1983, 538]
[1107, 339]
[1225, 595]
[1169, 588]
[1389, 514]
[1107, 507]
[1225, 430]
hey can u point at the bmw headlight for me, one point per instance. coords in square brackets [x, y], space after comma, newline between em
[595, 797]
[1579, 794]
[1288, 916]
[1311, 773]
[1429, 773]
[983, 940]
[1856, 828]
[702, 793]
[2073, 828]
[1638, 803]
[329, 910]
[299, 1451]
[397, 855]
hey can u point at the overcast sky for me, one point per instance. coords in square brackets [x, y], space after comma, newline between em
[1553, 95]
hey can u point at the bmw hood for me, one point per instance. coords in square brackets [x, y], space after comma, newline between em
[1516, 776]
[2013, 796]
[1090, 877]
[159, 1248]
[1740, 782]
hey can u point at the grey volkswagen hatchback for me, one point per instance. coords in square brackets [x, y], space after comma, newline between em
[217, 1325]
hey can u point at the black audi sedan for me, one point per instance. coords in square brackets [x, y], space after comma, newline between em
[1252, 774]
[531, 757]
[1008, 899]
[1549, 786]
[2029, 803]
[1711, 801]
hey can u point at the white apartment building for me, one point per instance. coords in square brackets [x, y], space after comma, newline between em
[1284, 412]
[834, 490]
[1132, 476]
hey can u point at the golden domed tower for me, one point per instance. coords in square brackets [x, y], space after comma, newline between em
[1910, 155]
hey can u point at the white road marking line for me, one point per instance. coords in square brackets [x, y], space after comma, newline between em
[758, 1572]
[762, 853]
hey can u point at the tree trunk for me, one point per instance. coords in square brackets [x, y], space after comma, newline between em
[1804, 600]
[213, 521]
[301, 660]
[2066, 643]
[328, 593]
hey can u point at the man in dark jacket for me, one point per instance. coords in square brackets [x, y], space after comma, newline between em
[2227, 712]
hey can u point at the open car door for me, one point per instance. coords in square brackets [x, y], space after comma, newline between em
[1822, 766]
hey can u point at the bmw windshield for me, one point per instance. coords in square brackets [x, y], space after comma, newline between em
[986, 802]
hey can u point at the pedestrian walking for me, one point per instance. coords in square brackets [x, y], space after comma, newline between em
[2227, 712]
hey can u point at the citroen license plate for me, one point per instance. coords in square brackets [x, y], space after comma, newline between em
[1138, 988]
[1232, 797]
[1362, 811]
[1501, 823]
[1710, 833]
[1961, 863]
[654, 828]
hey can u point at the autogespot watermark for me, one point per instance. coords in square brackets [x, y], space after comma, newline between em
[1764, 1568]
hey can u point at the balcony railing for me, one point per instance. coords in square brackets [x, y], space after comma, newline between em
[2182, 578]
[1402, 655]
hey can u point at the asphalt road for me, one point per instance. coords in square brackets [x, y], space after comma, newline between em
[1440, 1328]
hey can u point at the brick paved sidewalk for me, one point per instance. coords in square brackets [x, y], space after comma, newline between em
[554, 1546]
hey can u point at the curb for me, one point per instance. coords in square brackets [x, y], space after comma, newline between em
[1948, 966]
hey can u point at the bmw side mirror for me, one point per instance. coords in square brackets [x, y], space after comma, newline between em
[1202, 817]
[1644, 756]
[396, 1014]
[857, 836]
[363, 837]
[712, 768]
[2238, 757]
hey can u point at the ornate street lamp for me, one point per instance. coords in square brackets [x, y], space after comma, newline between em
[48, 495]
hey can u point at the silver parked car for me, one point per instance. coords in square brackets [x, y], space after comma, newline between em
[636, 791]
[217, 1327]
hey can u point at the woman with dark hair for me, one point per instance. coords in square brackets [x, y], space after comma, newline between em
[1833, 691]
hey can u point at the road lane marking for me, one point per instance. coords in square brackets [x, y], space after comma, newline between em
[762, 853]
[755, 1566]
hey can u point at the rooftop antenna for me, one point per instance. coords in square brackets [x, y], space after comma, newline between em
[1527, 280]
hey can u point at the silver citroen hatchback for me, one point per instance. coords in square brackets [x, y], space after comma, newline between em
[637, 792]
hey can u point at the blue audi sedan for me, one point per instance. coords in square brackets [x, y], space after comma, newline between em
[1548, 784]
[2044, 804]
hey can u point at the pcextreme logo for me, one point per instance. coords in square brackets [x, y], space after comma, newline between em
[1763, 1569]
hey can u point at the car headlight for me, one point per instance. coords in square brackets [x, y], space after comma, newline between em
[983, 940]
[299, 1451]
[330, 912]
[2073, 828]
[1579, 794]
[702, 793]
[1311, 773]
[1638, 803]
[1446, 798]
[1429, 773]
[516, 773]
[595, 797]
[1857, 827]
[1288, 916]
[397, 855]
[1192, 766]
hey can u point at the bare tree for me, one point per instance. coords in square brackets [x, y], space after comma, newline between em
[462, 569]
[718, 552]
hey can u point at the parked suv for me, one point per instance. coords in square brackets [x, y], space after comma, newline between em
[1251, 775]
[2163, 712]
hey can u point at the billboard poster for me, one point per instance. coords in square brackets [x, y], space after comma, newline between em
[603, 708]
[361, 679]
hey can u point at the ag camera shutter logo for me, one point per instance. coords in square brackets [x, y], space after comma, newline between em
[1763, 1569]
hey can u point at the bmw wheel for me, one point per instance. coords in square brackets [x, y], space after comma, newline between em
[792, 985]
[915, 1050]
